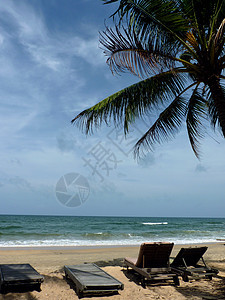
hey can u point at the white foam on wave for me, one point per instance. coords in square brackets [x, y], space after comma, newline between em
[53, 243]
[124, 242]
[156, 223]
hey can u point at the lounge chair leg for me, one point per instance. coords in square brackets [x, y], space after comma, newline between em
[185, 278]
[143, 282]
[3, 289]
[38, 287]
[176, 280]
[79, 293]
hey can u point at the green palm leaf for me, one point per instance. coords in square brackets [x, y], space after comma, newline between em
[165, 127]
[157, 19]
[196, 113]
[219, 41]
[164, 14]
[213, 112]
[132, 102]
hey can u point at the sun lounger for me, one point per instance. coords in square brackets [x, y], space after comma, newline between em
[89, 278]
[19, 275]
[153, 262]
[186, 264]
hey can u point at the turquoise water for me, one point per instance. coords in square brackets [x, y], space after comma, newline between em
[87, 231]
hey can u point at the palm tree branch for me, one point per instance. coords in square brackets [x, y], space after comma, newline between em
[156, 20]
[196, 111]
[213, 111]
[197, 25]
[216, 43]
[217, 11]
[126, 52]
[188, 64]
[132, 102]
[219, 39]
[167, 124]
[164, 127]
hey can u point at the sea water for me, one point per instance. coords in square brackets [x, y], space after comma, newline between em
[16, 231]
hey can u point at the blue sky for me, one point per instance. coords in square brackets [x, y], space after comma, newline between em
[51, 69]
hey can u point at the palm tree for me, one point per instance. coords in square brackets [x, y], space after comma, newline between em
[177, 48]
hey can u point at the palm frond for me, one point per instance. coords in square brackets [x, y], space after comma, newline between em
[126, 52]
[132, 102]
[196, 112]
[165, 127]
[213, 112]
[156, 18]
[207, 14]
[168, 17]
[162, 13]
[192, 41]
[219, 39]
[109, 1]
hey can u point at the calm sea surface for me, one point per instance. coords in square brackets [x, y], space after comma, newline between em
[86, 231]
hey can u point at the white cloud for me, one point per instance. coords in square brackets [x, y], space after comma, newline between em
[12, 122]
[49, 49]
[88, 50]
[38, 73]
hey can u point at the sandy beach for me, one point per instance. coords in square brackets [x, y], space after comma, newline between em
[50, 261]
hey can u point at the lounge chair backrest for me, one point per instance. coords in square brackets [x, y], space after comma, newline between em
[154, 255]
[191, 256]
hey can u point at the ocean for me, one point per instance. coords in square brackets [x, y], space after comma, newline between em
[22, 231]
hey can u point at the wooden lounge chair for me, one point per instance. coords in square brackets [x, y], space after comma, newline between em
[186, 264]
[153, 262]
[89, 279]
[19, 276]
